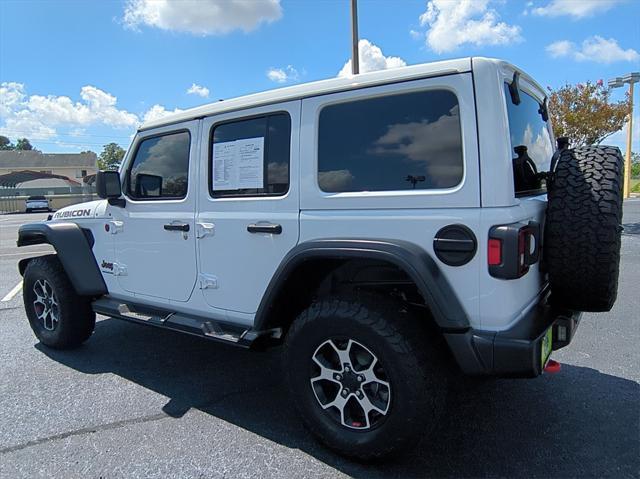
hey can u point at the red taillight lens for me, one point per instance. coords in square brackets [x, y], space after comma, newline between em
[495, 252]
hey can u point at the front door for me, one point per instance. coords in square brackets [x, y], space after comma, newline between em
[248, 203]
[155, 241]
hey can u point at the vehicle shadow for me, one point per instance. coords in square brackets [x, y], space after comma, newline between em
[577, 423]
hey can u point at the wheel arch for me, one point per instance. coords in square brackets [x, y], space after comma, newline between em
[73, 247]
[322, 256]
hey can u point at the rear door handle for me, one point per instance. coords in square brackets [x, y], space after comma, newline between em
[271, 228]
[177, 227]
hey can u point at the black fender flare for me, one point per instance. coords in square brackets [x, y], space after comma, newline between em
[411, 258]
[74, 252]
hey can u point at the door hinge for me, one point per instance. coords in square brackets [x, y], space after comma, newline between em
[204, 229]
[116, 227]
[208, 281]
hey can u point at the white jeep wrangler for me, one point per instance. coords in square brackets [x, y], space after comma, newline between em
[392, 230]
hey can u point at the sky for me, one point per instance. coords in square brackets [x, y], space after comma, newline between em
[76, 75]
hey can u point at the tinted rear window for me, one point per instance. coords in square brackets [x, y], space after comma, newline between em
[396, 142]
[36, 198]
[528, 129]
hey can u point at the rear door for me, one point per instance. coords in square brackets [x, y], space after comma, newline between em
[154, 239]
[248, 204]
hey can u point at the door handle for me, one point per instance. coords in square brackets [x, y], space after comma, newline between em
[177, 227]
[271, 228]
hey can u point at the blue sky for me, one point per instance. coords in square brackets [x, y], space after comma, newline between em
[76, 75]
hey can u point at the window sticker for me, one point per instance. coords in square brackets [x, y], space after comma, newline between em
[238, 164]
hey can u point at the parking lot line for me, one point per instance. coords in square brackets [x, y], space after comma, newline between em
[9, 296]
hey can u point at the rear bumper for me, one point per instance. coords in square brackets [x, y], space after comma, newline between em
[517, 351]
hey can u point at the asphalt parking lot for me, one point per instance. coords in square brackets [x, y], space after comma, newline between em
[139, 402]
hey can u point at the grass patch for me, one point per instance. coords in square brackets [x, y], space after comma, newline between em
[635, 185]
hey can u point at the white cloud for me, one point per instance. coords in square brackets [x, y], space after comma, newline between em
[201, 17]
[371, 59]
[37, 116]
[156, 112]
[283, 75]
[335, 180]
[576, 9]
[451, 24]
[595, 49]
[199, 90]
[561, 48]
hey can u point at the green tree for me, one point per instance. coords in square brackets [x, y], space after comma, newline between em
[585, 113]
[5, 143]
[111, 157]
[23, 144]
[635, 165]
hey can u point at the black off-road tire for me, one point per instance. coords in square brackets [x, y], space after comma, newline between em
[412, 363]
[76, 319]
[583, 227]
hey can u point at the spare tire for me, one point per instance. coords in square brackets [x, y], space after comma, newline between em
[582, 229]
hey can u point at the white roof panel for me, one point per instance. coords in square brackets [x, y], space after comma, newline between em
[321, 87]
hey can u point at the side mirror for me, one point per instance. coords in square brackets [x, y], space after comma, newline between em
[108, 186]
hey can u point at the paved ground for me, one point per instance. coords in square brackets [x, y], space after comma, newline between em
[138, 402]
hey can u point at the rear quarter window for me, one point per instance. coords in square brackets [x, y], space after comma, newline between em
[397, 142]
[531, 144]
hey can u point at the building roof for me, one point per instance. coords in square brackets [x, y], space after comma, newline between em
[29, 159]
[321, 87]
[11, 180]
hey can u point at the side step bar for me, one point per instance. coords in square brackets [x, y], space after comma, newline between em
[195, 325]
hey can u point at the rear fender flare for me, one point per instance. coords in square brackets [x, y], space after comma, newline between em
[409, 257]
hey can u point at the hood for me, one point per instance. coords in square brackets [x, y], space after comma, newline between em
[90, 209]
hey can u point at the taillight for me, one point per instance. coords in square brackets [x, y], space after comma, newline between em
[494, 253]
[512, 249]
[523, 267]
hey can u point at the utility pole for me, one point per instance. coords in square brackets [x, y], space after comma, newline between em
[617, 82]
[355, 60]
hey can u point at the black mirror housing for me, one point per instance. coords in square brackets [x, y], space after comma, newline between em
[108, 185]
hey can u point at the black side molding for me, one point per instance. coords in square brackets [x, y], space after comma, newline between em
[409, 257]
[74, 252]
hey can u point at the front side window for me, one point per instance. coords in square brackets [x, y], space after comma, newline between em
[531, 145]
[398, 142]
[250, 157]
[160, 169]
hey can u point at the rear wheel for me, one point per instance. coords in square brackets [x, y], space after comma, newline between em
[363, 375]
[59, 317]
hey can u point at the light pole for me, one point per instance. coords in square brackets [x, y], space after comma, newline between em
[355, 61]
[617, 82]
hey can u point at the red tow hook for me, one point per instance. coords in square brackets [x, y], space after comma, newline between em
[552, 367]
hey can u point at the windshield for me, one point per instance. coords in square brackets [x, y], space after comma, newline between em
[531, 145]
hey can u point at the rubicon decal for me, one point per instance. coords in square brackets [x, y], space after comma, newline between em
[72, 213]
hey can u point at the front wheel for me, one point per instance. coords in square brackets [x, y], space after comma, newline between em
[58, 317]
[365, 378]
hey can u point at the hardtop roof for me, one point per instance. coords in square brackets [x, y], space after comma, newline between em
[316, 88]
